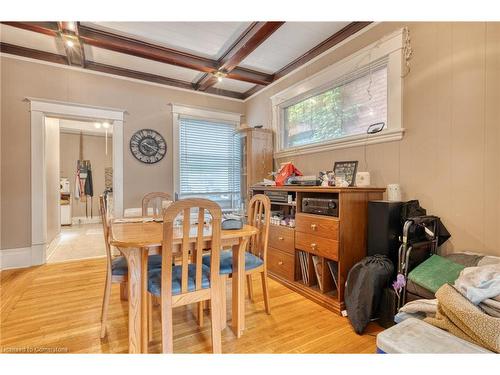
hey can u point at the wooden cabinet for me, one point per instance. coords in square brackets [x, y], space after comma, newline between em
[323, 240]
[256, 157]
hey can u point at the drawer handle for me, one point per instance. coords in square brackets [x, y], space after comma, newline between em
[280, 263]
[280, 238]
[313, 246]
[313, 226]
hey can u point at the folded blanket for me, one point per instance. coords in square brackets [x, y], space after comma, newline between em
[461, 318]
[479, 283]
[426, 306]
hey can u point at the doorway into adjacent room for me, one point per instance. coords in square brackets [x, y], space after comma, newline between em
[79, 168]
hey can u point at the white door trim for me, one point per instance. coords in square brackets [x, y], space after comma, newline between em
[40, 108]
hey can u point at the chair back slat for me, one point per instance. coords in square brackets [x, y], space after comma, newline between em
[199, 246]
[155, 201]
[186, 226]
[190, 243]
[105, 218]
[259, 215]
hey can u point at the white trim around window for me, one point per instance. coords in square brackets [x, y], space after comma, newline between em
[195, 112]
[390, 48]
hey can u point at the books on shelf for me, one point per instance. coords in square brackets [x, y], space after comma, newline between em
[318, 268]
[304, 266]
[334, 270]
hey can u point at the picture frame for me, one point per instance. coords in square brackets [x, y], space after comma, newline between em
[348, 169]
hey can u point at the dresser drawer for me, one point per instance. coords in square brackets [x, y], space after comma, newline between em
[280, 263]
[282, 238]
[321, 226]
[317, 245]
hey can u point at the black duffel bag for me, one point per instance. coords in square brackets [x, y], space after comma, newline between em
[365, 282]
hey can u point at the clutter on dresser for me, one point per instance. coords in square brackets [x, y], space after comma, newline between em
[363, 179]
[346, 170]
[286, 171]
[394, 193]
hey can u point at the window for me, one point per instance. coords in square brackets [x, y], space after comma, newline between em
[333, 108]
[208, 161]
[345, 109]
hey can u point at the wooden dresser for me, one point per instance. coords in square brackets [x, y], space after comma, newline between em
[325, 240]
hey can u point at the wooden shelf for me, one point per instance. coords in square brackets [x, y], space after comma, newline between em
[328, 300]
[293, 204]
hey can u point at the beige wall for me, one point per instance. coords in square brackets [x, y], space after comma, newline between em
[450, 155]
[146, 106]
[52, 176]
[94, 149]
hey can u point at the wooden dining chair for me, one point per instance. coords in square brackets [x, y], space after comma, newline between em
[259, 214]
[155, 202]
[191, 281]
[116, 267]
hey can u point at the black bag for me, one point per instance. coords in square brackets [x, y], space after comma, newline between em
[413, 209]
[365, 282]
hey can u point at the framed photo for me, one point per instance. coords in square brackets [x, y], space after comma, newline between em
[346, 169]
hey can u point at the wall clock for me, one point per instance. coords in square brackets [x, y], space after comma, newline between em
[148, 146]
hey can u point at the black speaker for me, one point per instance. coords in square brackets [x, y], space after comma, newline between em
[384, 229]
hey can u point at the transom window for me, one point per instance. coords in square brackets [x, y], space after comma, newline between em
[347, 108]
[335, 107]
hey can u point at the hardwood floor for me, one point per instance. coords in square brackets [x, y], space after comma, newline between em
[56, 308]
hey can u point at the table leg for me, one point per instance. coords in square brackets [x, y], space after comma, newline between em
[134, 259]
[238, 289]
[144, 300]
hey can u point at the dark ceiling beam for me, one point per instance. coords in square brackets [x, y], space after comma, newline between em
[250, 76]
[33, 53]
[60, 59]
[336, 38]
[325, 45]
[47, 28]
[249, 40]
[117, 43]
[138, 48]
[68, 31]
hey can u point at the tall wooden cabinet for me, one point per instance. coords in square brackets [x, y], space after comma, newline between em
[256, 158]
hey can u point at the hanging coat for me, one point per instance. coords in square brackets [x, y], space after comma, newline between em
[89, 187]
[77, 182]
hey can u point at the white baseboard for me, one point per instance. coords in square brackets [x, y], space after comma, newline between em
[22, 257]
[85, 220]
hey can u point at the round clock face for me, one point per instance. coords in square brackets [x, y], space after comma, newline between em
[148, 146]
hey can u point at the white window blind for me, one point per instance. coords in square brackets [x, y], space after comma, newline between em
[209, 161]
[347, 107]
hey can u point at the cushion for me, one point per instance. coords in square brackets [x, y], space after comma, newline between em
[119, 265]
[226, 261]
[435, 272]
[154, 279]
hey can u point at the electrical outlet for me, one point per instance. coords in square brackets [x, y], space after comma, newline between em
[344, 313]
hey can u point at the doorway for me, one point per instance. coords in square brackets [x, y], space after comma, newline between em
[43, 131]
[79, 167]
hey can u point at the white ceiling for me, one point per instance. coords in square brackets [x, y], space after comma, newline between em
[206, 39]
[30, 39]
[234, 85]
[122, 60]
[289, 42]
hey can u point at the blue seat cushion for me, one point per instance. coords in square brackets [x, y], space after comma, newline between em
[119, 264]
[226, 261]
[154, 279]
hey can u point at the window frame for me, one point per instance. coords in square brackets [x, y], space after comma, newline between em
[196, 113]
[389, 48]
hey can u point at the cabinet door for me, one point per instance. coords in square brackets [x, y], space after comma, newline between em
[260, 156]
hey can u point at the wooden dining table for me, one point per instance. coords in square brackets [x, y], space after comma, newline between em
[139, 237]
